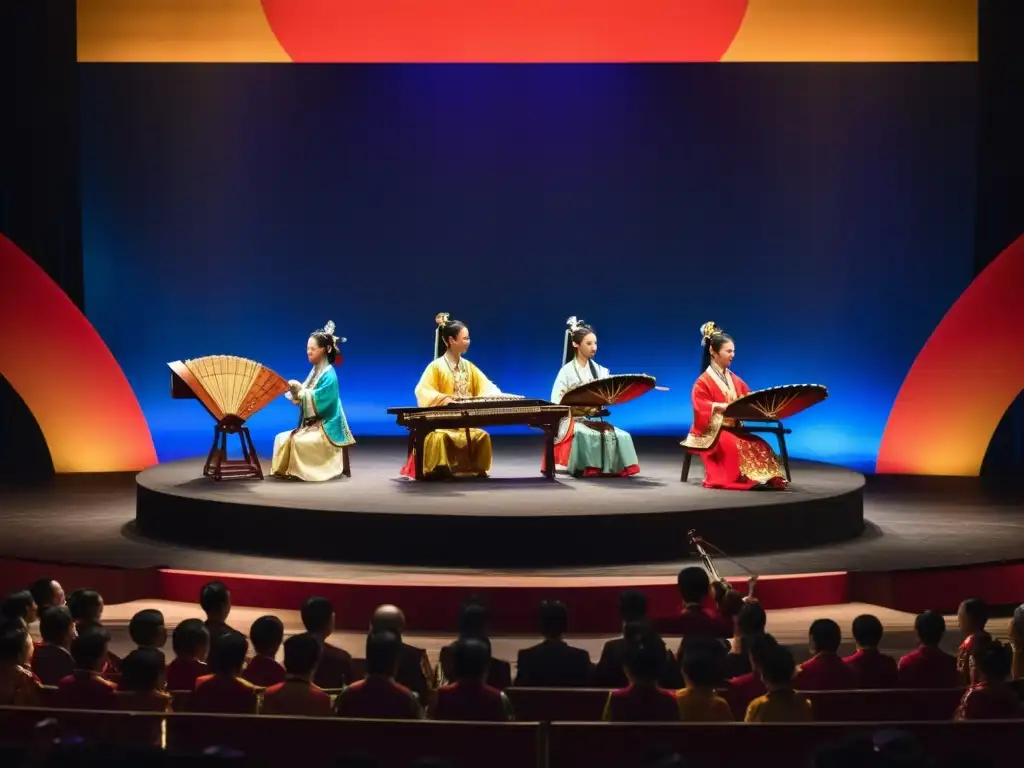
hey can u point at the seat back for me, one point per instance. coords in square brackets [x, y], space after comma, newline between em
[885, 705]
[544, 705]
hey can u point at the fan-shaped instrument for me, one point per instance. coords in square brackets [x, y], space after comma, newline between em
[776, 403]
[610, 390]
[231, 389]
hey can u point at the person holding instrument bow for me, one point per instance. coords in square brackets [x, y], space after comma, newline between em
[588, 448]
[734, 459]
[451, 377]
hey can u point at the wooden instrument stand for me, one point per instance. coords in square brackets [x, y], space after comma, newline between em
[218, 465]
[775, 428]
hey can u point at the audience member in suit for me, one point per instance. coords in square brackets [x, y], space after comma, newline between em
[86, 606]
[378, 696]
[191, 644]
[874, 668]
[610, 671]
[298, 695]
[86, 688]
[473, 624]
[335, 670]
[825, 671]
[553, 663]
[643, 700]
[224, 690]
[414, 670]
[469, 697]
[928, 666]
[266, 635]
[749, 624]
[215, 600]
[52, 660]
[147, 629]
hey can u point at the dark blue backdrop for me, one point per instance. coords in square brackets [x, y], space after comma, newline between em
[822, 214]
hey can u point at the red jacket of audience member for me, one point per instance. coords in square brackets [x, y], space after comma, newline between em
[224, 694]
[826, 672]
[928, 667]
[183, 673]
[86, 690]
[741, 691]
[296, 696]
[874, 669]
[469, 701]
[335, 670]
[379, 698]
[697, 621]
[52, 663]
[641, 704]
[984, 701]
[264, 672]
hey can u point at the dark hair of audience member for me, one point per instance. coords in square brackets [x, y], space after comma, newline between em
[760, 647]
[694, 584]
[778, 666]
[976, 610]
[752, 619]
[632, 606]
[826, 636]
[701, 669]
[645, 658]
[993, 660]
[215, 599]
[15, 642]
[43, 593]
[471, 658]
[554, 619]
[89, 649]
[146, 628]
[19, 605]
[867, 631]
[142, 670]
[730, 604]
[55, 624]
[382, 649]
[267, 634]
[930, 627]
[302, 654]
[473, 620]
[227, 654]
[86, 606]
[190, 639]
[317, 615]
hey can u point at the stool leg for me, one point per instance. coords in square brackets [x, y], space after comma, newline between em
[685, 474]
[346, 470]
[785, 453]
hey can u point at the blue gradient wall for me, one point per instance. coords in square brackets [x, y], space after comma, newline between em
[822, 214]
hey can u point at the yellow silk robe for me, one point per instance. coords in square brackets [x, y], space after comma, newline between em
[448, 448]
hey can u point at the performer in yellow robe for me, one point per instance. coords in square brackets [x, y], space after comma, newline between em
[447, 452]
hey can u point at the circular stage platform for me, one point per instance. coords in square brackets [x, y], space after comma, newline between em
[514, 518]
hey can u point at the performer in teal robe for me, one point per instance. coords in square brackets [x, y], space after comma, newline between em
[313, 450]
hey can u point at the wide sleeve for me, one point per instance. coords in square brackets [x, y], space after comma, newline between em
[560, 386]
[740, 385]
[428, 391]
[481, 385]
[706, 424]
[325, 394]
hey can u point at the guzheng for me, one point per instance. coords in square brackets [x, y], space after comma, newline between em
[776, 403]
[231, 389]
[610, 390]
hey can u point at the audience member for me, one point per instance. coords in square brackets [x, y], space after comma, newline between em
[469, 697]
[610, 671]
[643, 700]
[298, 695]
[749, 624]
[52, 660]
[553, 663]
[147, 629]
[18, 686]
[215, 600]
[473, 619]
[47, 594]
[874, 669]
[929, 666]
[781, 704]
[743, 689]
[86, 688]
[414, 670]
[19, 605]
[335, 670]
[266, 635]
[224, 690]
[142, 683]
[698, 701]
[378, 696]
[694, 619]
[86, 606]
[971, 617]
[191, 645]
[990, 696]
[825, 671]
[1017, 642]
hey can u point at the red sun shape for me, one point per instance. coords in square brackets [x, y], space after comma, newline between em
[552, 31]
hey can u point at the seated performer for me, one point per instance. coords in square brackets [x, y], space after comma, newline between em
[733, 458]
[312, 451]
[451, 377]
[588, 448]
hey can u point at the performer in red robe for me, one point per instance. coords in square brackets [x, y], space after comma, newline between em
[734, 459]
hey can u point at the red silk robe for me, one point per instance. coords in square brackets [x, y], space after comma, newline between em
[734, 459]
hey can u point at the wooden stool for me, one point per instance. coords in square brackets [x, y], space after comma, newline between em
[346, 468]
[774, 427]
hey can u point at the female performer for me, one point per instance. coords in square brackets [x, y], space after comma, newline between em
[734, 459]
[312, 451]
[448, 452]
[588, 448]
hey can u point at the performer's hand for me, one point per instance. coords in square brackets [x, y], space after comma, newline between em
[448, 401]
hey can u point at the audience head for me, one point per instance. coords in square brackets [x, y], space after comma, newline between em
[215, 600]
[267, 634]
[554, 619]
[867, 631]
[991, 662]
[191, 640]
[143, 670]
[473, 619]
[57, 627]
[825, 635]
[20, 605]
[15, 643]
[752, 619]
[471, 658]
[700, 669]
[694, 584]
[382, 649]
[89, 649]
[388, 618]
[47, 592]
[86, 606]
[632, 606]
[645, 658]
[227, 654]
[972, 616]
[147, 629]
[778, 667]
[730, 604]
[302, 655]
[930, 627]
[318, 616]
[760, 647]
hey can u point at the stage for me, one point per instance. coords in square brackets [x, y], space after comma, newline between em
[514, 518]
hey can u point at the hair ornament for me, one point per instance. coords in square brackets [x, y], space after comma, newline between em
[441, 318]
[574, 324]
[708, 330]
[329, 329]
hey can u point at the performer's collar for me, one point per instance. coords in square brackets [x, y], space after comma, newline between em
[719, 369]
[452, 363]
